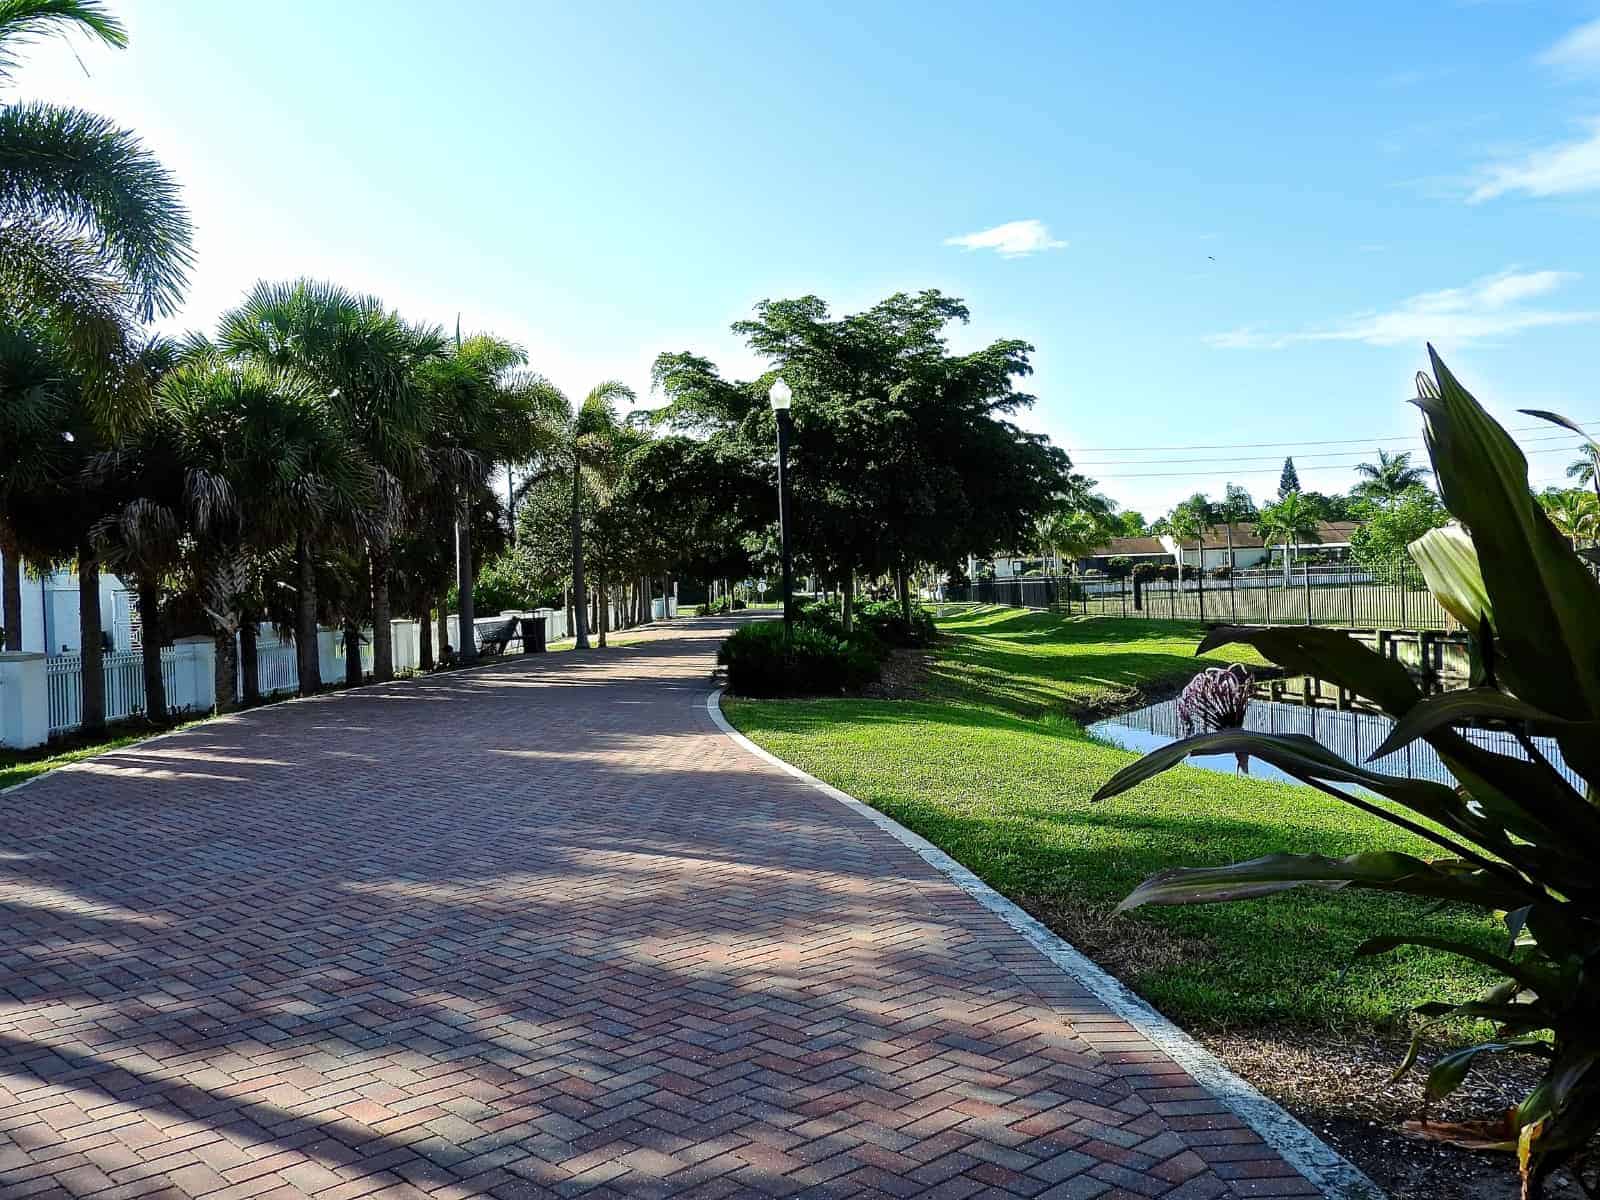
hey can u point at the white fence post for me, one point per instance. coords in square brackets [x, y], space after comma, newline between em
[330, 662]
[24, 700]
[194, 674]
[404, 637]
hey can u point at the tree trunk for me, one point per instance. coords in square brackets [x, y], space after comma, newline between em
[602, 605]
[225, 675]
[249, 658]
[92, 653]
[847, 603]
[903, 588]
[352, 654]
[11, 586]
[468, 650]
[580, 602]
[425, 642]
[382, 611]
[150, 639]
[444, 632]
[305, 620]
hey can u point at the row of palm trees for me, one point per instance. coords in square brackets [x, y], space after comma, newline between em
[315, 459]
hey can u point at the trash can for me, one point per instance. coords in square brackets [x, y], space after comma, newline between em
[533, 635]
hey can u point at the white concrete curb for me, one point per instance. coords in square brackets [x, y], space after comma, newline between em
[1337, 1176]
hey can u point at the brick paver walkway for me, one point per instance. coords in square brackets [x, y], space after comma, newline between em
[539, 930]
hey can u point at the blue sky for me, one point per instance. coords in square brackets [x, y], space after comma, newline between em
[1228, 223]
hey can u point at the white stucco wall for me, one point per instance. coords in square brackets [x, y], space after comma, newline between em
[50, 605]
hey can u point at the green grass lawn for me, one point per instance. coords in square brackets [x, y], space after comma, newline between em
[992, 769]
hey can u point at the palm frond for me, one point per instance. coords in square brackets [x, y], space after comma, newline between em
[82, 172]
[25, 21]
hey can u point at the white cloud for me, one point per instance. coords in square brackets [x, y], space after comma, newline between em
[1489, 307]
[1578, 52]
[1560, 170]
[1014, 239]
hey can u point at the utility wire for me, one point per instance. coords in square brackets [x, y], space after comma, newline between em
[1324, 467]
[1366, 441]
[1553, 435]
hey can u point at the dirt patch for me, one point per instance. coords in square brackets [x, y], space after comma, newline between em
[903, 676]
[1337, 1083]
[1339, 1086]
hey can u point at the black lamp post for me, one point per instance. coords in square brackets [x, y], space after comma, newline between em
[780, 396]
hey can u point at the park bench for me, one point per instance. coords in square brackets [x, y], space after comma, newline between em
[493, 639]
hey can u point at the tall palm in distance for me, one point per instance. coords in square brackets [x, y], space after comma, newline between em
[580, 451]
[1292, 522]
[1386, 480]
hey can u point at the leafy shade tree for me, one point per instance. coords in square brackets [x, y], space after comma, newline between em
[1130, 523]
[92, 233]
[1289, 480]
[1291, 522]
[1387, 529]
[1391, 477]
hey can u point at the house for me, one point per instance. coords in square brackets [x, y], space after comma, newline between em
[1249, 550]
[50, 612]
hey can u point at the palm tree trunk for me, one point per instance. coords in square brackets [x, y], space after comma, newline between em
[249, 658]
[352, 654]
[382, 611]
[602, 604]
[11, 587]
[150, 639]
[847, 610]
[225, 676]
[92, 654]
[580, 604]
[425, 642]
[305, 620]
[464, 579]
[444, 632]
[902, 587]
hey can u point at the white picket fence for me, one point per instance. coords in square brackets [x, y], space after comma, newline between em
[124, 686]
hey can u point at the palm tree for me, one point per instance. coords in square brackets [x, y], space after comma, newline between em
[486, 410]
[366, 360]
[1236, 506]
[92, 233]
[1292, 522]
[1072, 533]
[1191, 519]
[264, 459]
[1576, 513]
[1583, 469]
[1386, 480]
[581, 451]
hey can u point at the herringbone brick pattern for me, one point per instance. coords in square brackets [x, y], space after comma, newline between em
[539, 930]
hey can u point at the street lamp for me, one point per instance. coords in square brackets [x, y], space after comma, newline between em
[780, 396]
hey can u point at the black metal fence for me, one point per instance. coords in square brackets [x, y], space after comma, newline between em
[1345, 596]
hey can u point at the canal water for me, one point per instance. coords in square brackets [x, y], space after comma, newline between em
[1351, 734]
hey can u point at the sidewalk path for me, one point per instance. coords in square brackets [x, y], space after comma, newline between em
[540, 930]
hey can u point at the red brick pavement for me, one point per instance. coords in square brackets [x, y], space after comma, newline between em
[540, 930]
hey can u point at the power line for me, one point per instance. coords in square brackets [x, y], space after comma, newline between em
[1150, 462]
[1324, 467]
[1366, 441]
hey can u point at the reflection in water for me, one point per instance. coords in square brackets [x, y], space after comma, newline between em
[1351, 734]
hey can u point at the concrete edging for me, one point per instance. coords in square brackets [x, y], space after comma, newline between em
[1320, 1163]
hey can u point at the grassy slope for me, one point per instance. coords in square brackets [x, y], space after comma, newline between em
[991, 770]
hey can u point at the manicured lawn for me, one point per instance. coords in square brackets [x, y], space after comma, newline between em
[991, 769]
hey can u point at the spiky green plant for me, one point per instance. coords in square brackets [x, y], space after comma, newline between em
[1514, 836]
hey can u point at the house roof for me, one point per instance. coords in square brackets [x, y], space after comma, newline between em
[1332, 533]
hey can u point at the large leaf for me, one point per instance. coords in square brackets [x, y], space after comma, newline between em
[1329, 654]
[1306, 759]
[1546, 603]
[1380, 870]
[1450, 1069]
[1449, 708]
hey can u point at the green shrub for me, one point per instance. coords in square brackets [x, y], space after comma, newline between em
[820, 662]
[884, 620]
[1516, 838]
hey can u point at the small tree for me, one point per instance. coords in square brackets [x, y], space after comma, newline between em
[1289, 480]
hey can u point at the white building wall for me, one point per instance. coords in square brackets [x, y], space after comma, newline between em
[50, 612]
